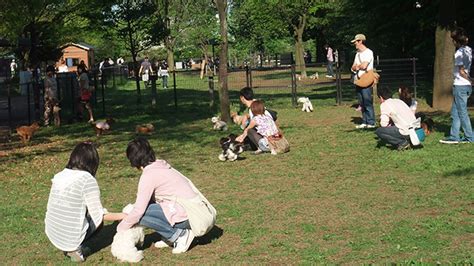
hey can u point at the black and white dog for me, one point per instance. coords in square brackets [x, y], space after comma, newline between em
[230, 148]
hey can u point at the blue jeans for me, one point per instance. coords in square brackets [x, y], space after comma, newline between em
[165, 82]
[459, 113]
[364, 95]
[391, 135]
[329, 68]
[155, 219]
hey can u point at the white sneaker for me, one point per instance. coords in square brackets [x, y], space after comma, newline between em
[370, 126]
[183, 242]
[162, 244]
[273, 152]
[361, 126]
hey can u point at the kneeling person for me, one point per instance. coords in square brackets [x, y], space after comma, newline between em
[395, 116]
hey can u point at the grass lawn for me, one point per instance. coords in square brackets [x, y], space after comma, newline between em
[336, 197]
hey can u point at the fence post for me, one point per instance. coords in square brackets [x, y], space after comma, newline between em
[413, 59]
[103, 96]
[9, 106]
[174, 88]
[113, 76]
[293, 85]
[211, 90]
[28, 101]
[74, 101]
[250, 77]
[247, 76]
[153, 89]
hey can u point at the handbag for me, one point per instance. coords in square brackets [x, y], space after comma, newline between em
[366, 79]
[201, 213]
[278, 143]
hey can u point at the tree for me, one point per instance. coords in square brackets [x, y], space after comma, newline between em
[37, 24]
[223, 87]
[134, 22]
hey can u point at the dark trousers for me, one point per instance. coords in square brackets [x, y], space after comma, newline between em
[252, 138]
[391, 135]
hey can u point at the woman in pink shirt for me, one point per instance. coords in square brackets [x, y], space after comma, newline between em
[167, 218]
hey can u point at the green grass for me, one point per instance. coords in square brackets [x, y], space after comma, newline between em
[334, 198]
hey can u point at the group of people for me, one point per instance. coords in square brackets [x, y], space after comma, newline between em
[75, 212]
[82, 99]
[159, 68]
[398, 116]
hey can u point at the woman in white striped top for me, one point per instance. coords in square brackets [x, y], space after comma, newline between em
[74, 209]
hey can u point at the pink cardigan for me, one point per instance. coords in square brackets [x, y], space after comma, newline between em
[159, 178]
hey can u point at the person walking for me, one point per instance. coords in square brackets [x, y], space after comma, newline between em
[330, 61]
[364, 61]
[462, 89]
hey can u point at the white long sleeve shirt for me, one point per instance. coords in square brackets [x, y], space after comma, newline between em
[73, 194]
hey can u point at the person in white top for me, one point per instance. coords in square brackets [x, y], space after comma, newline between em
[330, 60]
[74, 212]
[462, 89]
[364, 61]
[13, 67]
[395, 116]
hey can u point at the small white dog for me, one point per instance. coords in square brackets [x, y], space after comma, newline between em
[307, 105]
[218, 124]
[314, 76]
[124, 244]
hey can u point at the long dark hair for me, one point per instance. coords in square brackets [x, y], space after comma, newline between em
[140, 153]
[404, 94]
[84, 157]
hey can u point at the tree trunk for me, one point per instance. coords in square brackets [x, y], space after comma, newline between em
[170, 53]
[444, 57]
[443, 74]
[299, 46]
[223, 89]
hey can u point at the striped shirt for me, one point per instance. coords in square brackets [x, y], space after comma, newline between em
[73, 194]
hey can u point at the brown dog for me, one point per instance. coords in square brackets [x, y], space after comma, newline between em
[144, 129]
[27, 132]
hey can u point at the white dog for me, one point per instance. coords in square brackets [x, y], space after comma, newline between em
[218, 124]
[307, 105]
[124, 244]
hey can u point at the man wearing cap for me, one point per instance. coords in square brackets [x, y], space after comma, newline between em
[364, 61]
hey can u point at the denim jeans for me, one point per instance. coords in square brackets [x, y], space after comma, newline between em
[459, 113]
[165, 82]
[364, 96]
[155, 219]
[263, 144]
[329, 68]
[391, 135]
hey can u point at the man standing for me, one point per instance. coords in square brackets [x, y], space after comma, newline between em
[145, 70]
[400, 114]
[13, 67]
[462, 89]
[364, 61]
[330, 60]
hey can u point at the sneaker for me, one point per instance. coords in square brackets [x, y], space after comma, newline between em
[370, 126]
[162, 244]
[449, 141]
[273, 152]
[403, 146]
[75, 256]
[258, 151]
[328, 76]
[464, 140]
[361, 126]
[183, 242]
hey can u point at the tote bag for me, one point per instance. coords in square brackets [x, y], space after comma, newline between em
[279, 143]
[201, 213]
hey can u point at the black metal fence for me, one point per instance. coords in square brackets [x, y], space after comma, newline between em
[23, 103]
